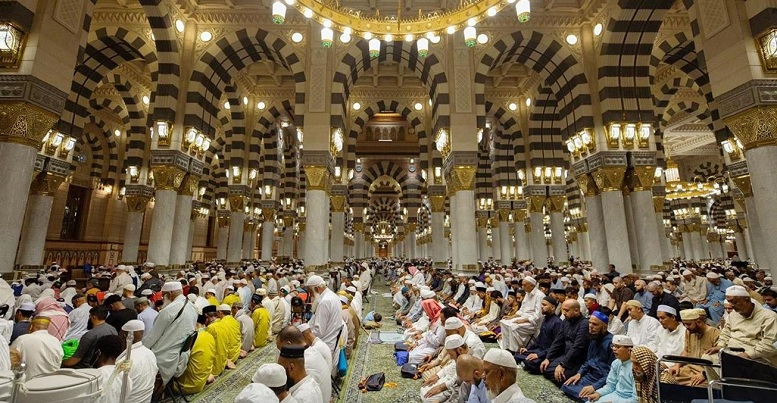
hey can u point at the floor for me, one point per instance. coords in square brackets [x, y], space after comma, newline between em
[370, 358]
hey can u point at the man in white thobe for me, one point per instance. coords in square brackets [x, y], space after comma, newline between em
[517, 331]
[171, 330]
[327, 320]
[79, 319]
[671, 336]
[122, 279]
[642, 328]
[315, 343]
[41, 351]
[142, 373]
[305, 388]
[69, 292]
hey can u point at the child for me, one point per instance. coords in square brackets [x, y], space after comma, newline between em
[372, 320]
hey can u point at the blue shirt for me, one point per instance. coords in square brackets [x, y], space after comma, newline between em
[551, 325]
[597, 362]
[370, 316]
[766, 306]
[717, 293]
[645, 298]
[619, 387]
[478, 393]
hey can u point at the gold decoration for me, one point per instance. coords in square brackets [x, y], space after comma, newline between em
[463, 177]
[755, 127]
[642, 178]
[137, 204]
[658, 204]
[338, 203]
[189, 185]
[223, 221]
[556, 203]
[358, 226]
[288, 221]
[494, 221]
[411, 226]
[536, 203]
[519, 215]
[302, 226]
[527, 227]
[45, 184]
[438, 204]
[248, 226]
[167, 177]
[481, 222]
[503, 214]
[609, 179]
[237, 203]
[268, 214]
[744, 184]
[318, 177]
[587, 185]
[512, 230]
[24, 123]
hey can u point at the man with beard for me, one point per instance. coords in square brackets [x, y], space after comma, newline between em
[661, 298]
[517, 331]
[567, 353]
[442, 386]
[315, 365]
[643, 329]
[535, 353]
[175, 322]
[301, 386]
[499, 373]
[699, 337]
[470, 371]
[620, 294]
[593, 374]
[327, 320]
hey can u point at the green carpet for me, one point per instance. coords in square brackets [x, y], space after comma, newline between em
[368, 359]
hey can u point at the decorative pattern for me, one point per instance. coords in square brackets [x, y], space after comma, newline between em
[68, 13]
[24, 123]
[714, 17]
[755, 127]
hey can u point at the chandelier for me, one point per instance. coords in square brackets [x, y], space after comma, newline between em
[423, 28]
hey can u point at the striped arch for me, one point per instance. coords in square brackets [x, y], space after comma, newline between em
[92, 140]
[357, 60]
[560, 70]
[112, 147]
[110, 104]
[365, 114]
[545, 134]
[269, 131]
[693, 108]
[662, 95]
[106, 52]
[221, 62]
[385, 181]
[384, 209]
[574, 197]
[717, 212]
[216, 149]
[626, 51]
[508, 146]
[137, 137]
[484, 179]
[358, 187]
[164, 97]
[236, 137]
[292, 159]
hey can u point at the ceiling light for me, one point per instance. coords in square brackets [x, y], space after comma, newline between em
[261, 105]
[227, 106]
[409, 38]
[528, 101]
[347, 31]
[146, 99]
[430, 102]
[482, 38]
[571, 39]
[289, 2]
[451, 29]
[418, 106]
[374, 47]
[308, 13]
[356, 106]
[205, 36]
[245, 100]
[179, 25]
[523, 10]
[491, 11]
[345, 38]
[327, 36]
[296, 37]
[368, 35]
[327, 24]
[471, 22]
[513, 106]
[598, 29]
[278, 12]
[423, 47]
[389, 38]
[470, 36]
[117, 132]
[434, 38]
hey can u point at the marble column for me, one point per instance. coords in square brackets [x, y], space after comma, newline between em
[496, 245]
[666, 244]
[609, 180]
[758, 253]
[465, 212]
[713, 244]
[17, 159]
[190, 239]
[539, 248]
[584, 244]
[338, 229]
[597, 235]
[522, 249]
[235, 249]
[358, 236]
[317, 204]
[36, 219]
[560, 254]
[180, 238]
[438, 231]
[248, 235]
[162, 220]
[136, 208]
[223, 236]
[301, 239]
[648, 243]
[686, 244]
[411, 246]
[268, 233]
[705, 246]
[741, 245]
[288, 241]
[695, 238]
[454, 227]
[505, 240]
[629, 213]
[482, 227]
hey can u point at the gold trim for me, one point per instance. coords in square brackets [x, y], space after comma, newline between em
[744, 184]
[337, 203]
[463, 177]
[438, 204]
[167, 177]
[45, 184]
[556, 203]
[609, 179]
[318, 177]
[137, 204]
[24, 123]
[536, 203]
[268, 214]
[755, 127]
[642, 178]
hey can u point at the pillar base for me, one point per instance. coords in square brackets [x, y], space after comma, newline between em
[322, 268]
[440, 264]
[469, 267]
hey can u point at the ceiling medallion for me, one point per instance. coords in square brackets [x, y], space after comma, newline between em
[423, 28]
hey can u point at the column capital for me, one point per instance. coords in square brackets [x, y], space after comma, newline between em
[642, 177]
[302, 226]
[338, 203]
[503, 214]
[755, 127]
[237, 203]
[45, 183]
[494, 221]
[189, 185]
[411, 227]
[462, 177]
[438, 203]
[24, 123]
[744, 184]
[519, 215]
[587, 185]
[288, 220]
[268, 214]
[358, 227]
[556, 203]
[536, 203]
[137, 204]
[318, 177]
[609, 179]
[481, 222]
[223, 218]
[658, 204]
[167, 177]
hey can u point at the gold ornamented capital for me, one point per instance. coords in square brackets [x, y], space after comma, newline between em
[338, 203]
[755, 127]
[137, 204]
[223, 221]
[536, 203]
[268, 214]
[188, 185]
[288, 221]
[744, 184]
[481, 222]
[45, 184]
[642, 178]
[512, 230]
[438, 203]
[24, 123]
[411, 226]
[302, 226]
[519, 215]
[503, 214]
[358, 226]
[556, 203]
[463, 177]
[167, 177]
[494, 221]
[527, 228]
[609, 179]
[582, 227]
[587, 185]
[237, 203]
[317, 177]
[658, 204]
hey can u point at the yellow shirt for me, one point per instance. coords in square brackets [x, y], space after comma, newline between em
[221, 336]
[235, 337]
[261, 319]
[230, 299]
[213, 301]
[200, 364]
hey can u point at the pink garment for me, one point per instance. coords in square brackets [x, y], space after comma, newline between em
[432, 309]
[412, 270]
[60, 321]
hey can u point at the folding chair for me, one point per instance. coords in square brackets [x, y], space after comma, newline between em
[744, 380]
[672, 393]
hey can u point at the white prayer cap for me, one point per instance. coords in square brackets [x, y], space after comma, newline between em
[472, 288]
[121, 267]
[500, 357]
[200, 303]
[343, 299]
[712, 275]
[146, 292]
[589, 295]
[256, 392]
[687, 272]
[351, 289]
[229, 287]
[210, 290]
[471, 281]
[737, 291]
[668, 309]
[461, 274]
[748, 280]
[621, 340]
[480, 285]
[453, 323]
[489, 289]
[315, 281]
[302, 328]
[564, 279]
[145, 276]
[71, 282]
[689, 314]
[767, 278]
[172, 286]
[133, 325]
[427, 294]
[271, 374]
[149, 264]
[531, 280]
[261, 291]
[225, 307]
[244, 282]
[27, 306]
[453, 342]
[130, 287]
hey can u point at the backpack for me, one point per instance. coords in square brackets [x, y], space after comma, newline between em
[409, 371]
[375, 382]
[401, 357]
[400, 346]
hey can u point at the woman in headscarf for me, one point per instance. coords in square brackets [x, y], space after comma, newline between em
[428, 342]
[644, 368]
[60, 321]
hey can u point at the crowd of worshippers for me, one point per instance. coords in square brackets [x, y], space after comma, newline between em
[596, 335]
[222, 314]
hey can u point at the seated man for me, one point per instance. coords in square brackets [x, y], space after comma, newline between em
[567, 353]
[671, 336]
[699, 337]
[643, 329]
[619, 386]
[593, 374]
[470, 371]
[749, 326]
[532, 356]
[615, 326]
[517, 331]
[442, 386]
